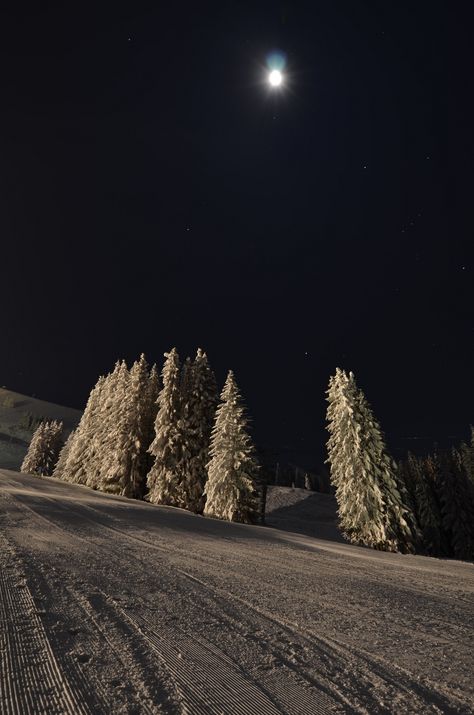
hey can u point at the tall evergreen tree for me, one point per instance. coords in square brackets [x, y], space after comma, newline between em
[408, 499]
[370, 506]
[79, 459]
[44, 449]
[199, 395]
[467, 454]
[112, 443]
[165, 478]
[63, 456]
[426, 506]
[152, 401]
[128, 436]
[231, 488]
[457, 505]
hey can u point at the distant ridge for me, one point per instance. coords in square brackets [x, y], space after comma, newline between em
[19, 416]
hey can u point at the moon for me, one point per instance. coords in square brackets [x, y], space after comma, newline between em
[275, 78]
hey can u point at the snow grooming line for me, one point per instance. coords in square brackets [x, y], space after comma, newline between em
[30, 678]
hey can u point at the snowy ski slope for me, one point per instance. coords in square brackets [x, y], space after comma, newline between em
[114, 606]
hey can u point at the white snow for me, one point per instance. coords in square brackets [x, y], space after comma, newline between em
[110, 605]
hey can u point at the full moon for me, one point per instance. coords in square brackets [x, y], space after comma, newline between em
[275, 78]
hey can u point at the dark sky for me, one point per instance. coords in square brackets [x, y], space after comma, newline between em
[156, 193]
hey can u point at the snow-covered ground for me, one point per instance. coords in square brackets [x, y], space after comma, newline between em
[114, 606]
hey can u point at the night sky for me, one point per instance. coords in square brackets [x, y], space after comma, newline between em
[155, 193]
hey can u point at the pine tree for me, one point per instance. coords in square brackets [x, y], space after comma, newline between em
[44, 449]
[152, 402]
[63, 456]
[165, 478]
[404, 486]
[457, 505]
[425, 506]
[231, 487]
[112, 442]
[128, 435]
[35, 449]
[371, 510]
[199, 401]
[467, 454]
[79, 459]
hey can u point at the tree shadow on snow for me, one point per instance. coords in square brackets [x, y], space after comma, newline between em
[314, 516]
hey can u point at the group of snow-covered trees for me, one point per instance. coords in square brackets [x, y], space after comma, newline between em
[172, 442]
[44, 449]
[421, 505]
[440, 490]
[168, 442]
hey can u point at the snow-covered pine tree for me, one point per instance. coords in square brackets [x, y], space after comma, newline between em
[199, 402]
[35, 450]
[78, 462]
[152, 402]
[467, 453]
[426, 506]
[402, 522]
[165, 478]
[44, 449]
[370, 507]
[231, 488]
[113, 442]
[129, 439]
[359, 496]
[106, 426]
[404, 486]
[186, 382]
[432, 477]
[63, 456]
[457, 505]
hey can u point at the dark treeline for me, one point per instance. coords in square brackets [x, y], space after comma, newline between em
[421, 505]
[440, 490]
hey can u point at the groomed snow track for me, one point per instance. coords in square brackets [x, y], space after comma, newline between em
[115, 606]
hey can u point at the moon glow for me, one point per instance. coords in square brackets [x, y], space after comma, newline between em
[275, 78]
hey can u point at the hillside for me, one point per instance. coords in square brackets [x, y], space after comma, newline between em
[19, 414]
[116, 606]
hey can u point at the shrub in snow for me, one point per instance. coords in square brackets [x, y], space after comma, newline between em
[44, 449]
[231, 488]
[370, 507]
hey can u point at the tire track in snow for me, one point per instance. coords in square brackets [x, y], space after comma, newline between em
[314, 701]
[103, 626]
[208, 681]
[338, 659]
[31, 679]
[392, 680]
[413, 696]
